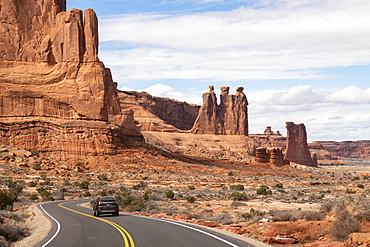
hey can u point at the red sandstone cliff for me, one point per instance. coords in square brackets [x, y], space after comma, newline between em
[50, 75]
[159, 114]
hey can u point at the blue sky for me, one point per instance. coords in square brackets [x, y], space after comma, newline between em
[298, 60]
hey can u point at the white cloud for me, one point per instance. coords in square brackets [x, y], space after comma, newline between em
[341, 114]
[351, 95]
[281, 40]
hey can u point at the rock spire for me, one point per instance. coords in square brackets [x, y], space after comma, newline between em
[297, 148]
[230, 117]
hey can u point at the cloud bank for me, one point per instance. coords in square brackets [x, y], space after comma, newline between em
[272, 39]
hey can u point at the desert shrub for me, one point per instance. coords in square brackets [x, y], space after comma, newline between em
[6, 200]
[170, 194]
[345, 226]
[252, 216]
[191, 187]
[361, 186]
[103, 177]
[33, 197]
[312, 215]
[84, 185]
[222, 218]
[130, 203]
[103, 192]
[350, 191]
[264, 190]
[35, 153]
[13, 231]
[141, 185]
[14, 187]
[146, 195]
[279, 186]
[80, 163]
[284, 215]
[32, 184]
[86, 194]
[45, 194]
[239, 196]
[190, 199]
[237, 187]
[36, 166]
[230, 174]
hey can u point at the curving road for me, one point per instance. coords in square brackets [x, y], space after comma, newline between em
[74, 225]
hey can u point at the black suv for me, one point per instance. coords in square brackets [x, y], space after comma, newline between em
[105, 205]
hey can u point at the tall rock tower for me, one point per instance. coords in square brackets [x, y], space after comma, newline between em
[297, 148]
[230, 117]
[56, 96]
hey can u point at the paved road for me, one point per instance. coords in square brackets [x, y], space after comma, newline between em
[74, 225]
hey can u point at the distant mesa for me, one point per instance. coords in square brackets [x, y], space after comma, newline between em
[230, 117]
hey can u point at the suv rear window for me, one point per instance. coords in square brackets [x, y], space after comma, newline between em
[108, 199]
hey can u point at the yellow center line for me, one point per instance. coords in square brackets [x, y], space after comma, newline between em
[129, 242]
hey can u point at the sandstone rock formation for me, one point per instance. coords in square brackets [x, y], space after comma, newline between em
[348, 149]
[50, 75]
[271, 155]
[230, 117]
[297, 148]
[270, 139]
[159, 114]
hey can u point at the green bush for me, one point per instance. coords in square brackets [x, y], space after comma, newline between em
[32, 184]
[84, 185]
[33, 197]
[146, 195]
[264, 190]
[239, 196]
[279, 186]
[361, 186]
[237, 187]
[6, 200]
[170, 194]
[190, 199]
[191, 187]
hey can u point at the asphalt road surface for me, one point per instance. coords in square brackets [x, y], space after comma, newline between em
[74, 226]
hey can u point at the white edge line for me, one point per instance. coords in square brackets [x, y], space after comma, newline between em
[58, 225]
[183, 225]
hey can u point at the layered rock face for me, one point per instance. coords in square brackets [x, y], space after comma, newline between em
[159, 114]
[230, 117]
[297, 148]
[348, 149]
[49, 68]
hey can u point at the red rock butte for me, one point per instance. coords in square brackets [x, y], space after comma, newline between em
[56, 96]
